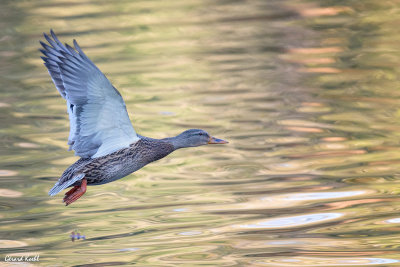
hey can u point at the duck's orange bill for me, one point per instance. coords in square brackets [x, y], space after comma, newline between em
[214, 140]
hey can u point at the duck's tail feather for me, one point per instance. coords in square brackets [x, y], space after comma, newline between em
[58, 187]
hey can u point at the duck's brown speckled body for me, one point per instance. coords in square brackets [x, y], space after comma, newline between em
[118, 164]
[100, 129]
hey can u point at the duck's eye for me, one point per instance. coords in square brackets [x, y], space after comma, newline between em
[200, 133]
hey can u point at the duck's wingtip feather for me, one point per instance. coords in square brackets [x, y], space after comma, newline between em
[75, 43]
[43, 44]
[53, 34]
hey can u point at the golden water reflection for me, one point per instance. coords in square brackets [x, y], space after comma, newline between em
[294, 221]
[305, 91]
[316, 261]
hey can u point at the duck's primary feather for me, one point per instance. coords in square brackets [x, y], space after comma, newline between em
[99, 122]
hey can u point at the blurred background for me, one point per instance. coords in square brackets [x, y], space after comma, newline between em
[306, 91]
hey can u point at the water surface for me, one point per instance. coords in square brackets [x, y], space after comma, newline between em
[307, 93]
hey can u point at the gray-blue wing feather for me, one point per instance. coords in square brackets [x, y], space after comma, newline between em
[99, 122]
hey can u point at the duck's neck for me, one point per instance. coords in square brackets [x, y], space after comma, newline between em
[175, 141]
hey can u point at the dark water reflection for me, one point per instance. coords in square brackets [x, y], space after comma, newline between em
[305, 91]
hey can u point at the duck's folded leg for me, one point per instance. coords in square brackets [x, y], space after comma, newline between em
[70, 192]
[75, 193]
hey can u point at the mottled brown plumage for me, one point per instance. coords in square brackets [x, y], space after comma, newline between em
[120, 163]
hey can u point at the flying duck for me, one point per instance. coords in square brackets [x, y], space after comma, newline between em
[101, 133]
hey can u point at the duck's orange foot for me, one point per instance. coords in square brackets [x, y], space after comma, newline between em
[75, 193]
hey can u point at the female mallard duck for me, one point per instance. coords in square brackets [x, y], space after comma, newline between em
[100, 130]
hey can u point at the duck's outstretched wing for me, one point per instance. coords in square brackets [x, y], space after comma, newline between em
[99, 122]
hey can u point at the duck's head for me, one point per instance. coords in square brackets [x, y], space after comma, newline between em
[195, 137]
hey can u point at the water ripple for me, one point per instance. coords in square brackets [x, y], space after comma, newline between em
[293, 221]
[322, 195]
[311, 261]
[309, 104]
